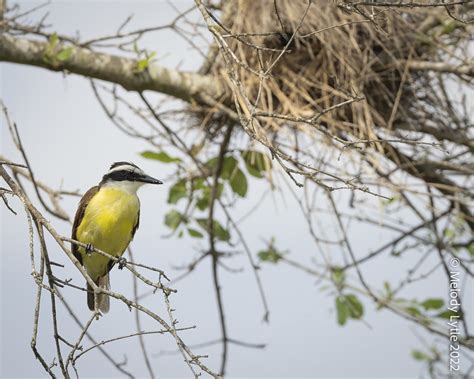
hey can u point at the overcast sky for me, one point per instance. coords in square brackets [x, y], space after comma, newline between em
[71, 143]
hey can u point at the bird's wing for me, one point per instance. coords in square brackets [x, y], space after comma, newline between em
[137, 224]
[78, 218]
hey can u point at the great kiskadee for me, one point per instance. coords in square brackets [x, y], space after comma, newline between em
[107, 219]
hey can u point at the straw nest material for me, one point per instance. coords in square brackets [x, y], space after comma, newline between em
[335, 56]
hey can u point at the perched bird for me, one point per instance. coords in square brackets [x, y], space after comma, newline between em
[107, 219]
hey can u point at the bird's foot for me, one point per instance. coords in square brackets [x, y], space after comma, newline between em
[122, 262]
[89, 249]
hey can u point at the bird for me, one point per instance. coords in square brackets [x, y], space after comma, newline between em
[107, 218]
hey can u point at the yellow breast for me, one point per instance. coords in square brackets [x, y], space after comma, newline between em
[108, 223]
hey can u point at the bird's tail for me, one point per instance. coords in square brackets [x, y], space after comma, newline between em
[103, 300]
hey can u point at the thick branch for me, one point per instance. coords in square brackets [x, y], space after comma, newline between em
[430, 176]
[441, 134]
[462, 69]
[186, 86]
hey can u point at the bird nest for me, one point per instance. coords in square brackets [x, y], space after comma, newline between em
[342, 69]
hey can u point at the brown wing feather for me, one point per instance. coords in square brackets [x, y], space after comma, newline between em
[78, 218]
[137, 224]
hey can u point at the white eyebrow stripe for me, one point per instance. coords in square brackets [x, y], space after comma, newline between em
[126, 167]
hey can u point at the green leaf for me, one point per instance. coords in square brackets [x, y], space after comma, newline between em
[220, 189]
[449, 233]
[342, 310]
[219, 232]
[203, 201]
[354, 306]
[256, 162]
[434, 303]
[173, 219]
[198, 184]
[413, 311]
[135, 48]
[211, 163]
[142, 64]
[49, 53]
[231, 172]
[449, 27]
[419, 355]
[338, 276]
[392, 200]
[447, 314]
[195, 233]
[161, 156]
[177, 192]
[271, 255]
[471, 249]
[53, 41]
[238, 182]
[229, 165]
[65, 54]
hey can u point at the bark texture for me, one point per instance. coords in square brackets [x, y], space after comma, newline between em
[186, 86]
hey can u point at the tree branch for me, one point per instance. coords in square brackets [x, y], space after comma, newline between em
[462, 69]
[3, 5]
[186, 86]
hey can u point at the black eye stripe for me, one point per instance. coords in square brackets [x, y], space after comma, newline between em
[121, 175]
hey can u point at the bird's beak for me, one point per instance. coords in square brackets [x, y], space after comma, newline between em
[149, 179]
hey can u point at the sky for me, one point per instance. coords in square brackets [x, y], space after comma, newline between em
[71, 143]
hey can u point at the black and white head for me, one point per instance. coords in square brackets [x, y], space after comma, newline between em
[127, 176]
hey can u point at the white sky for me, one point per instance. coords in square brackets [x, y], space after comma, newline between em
[71, 142]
